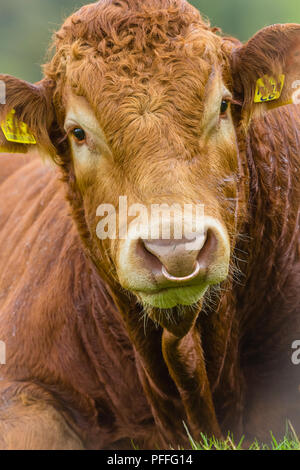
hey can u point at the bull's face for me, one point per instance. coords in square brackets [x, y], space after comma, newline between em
[159, 162]
[154, 154]
[143, 98]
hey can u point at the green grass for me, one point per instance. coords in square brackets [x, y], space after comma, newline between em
[290, 442]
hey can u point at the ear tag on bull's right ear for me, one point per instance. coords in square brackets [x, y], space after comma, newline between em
[268, 89]
[16, 131]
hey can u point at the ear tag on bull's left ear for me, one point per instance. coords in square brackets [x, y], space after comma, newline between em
[268, 89]
[16, 131]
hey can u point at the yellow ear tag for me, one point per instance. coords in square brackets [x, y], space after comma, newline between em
[268, 89]
[16, 131]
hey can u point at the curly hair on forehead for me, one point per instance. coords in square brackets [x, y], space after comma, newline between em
[129, 41]
[108, 28]
[147, 22]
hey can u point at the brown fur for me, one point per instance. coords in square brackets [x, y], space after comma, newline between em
[82, 368]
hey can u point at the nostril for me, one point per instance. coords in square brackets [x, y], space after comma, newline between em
[206, 253]
[150, 259]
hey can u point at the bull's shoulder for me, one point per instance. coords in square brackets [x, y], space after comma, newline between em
[41, 262]
[10, 163]
[39, 241]
[26, 183]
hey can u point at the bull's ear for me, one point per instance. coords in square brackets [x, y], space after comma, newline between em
[26, 115]
[266, 70]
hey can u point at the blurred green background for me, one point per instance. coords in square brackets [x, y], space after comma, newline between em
[26, 26]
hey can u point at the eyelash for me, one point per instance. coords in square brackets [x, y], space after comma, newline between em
[230, 101]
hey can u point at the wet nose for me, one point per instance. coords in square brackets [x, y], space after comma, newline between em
[179, 260]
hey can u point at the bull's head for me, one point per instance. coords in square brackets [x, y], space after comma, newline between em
[145, 108]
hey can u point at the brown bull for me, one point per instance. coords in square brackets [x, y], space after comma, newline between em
[115, 339]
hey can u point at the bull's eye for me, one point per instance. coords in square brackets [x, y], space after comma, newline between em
[224, 107]
[79, 135]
